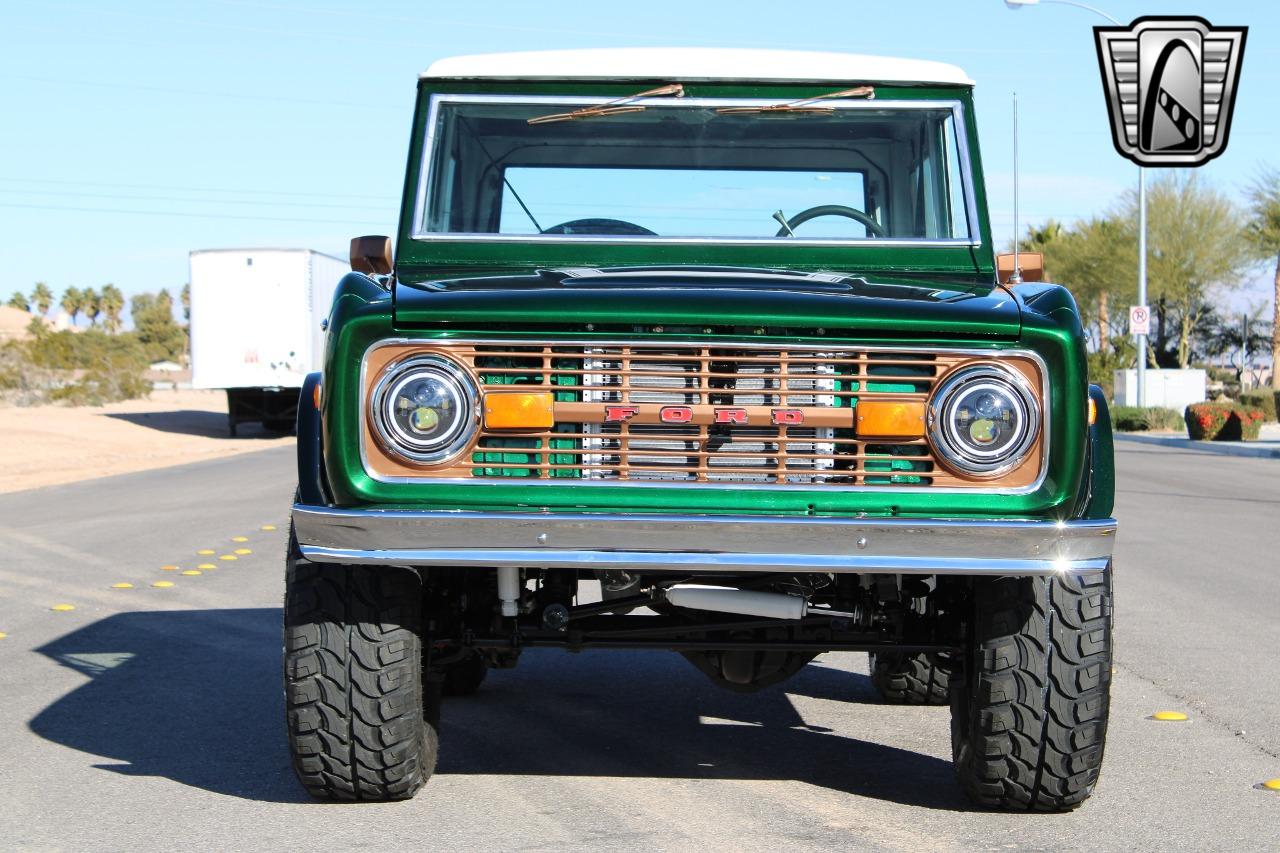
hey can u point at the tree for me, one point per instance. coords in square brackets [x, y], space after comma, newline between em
[42, 298]
[1263, 232]
[19, 301]
[155, 327]
[1095, 260]
[92, 305]
[185, 297]
[72, 302]
[1196, 251]
[112, 302]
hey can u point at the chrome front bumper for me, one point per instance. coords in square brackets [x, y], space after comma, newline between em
[703, 542]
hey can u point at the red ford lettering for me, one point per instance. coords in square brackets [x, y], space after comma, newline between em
[788, 417]
[618, 414]
[731, 416]
[675, 414]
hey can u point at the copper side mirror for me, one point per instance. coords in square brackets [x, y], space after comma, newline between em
[1031, 265]
[371, 255]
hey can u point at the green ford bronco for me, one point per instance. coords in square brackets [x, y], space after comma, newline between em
[705, 351]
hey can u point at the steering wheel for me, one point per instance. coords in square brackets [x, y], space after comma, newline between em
[599, 226]
[830, 210]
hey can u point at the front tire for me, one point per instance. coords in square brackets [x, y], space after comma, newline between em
[362, 721]
[1029, 711]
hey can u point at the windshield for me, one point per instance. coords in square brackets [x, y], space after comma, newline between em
[858, 171]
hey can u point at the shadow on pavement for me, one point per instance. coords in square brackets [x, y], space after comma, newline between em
[195, 696]
[193, 422]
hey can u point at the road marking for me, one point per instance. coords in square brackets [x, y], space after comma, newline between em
[243, 551]
[163, 584]
[122, 586]
[228, 557]
[204, 552]
[1269, 785]
[62, 608]
[268, 527]
[239, 538]
[72, 554]
[1169, 716]
[193, 572]
[206, 566]
[168, 568]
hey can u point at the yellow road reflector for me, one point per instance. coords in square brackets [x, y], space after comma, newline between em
[227, 557]
[169, 568]
[204, 552]
[268, 527]
[63, 608]
[1269, 785]
[163, 584]
[239, 538]
[521, 410]
[1169, 716]
[206, 566]
[898, 418]
[122, 586]
[3, 635]
[193, 572]
[243, 551]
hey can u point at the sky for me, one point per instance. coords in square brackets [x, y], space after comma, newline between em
[135, 132]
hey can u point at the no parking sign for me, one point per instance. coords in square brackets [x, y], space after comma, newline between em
[1139, 320]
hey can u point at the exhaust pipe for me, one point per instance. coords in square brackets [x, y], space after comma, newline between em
[747, 602]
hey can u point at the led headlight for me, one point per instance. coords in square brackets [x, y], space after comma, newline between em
[424, 408]
[983, 420]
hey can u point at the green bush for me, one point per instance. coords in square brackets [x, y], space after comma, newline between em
[1264, 400]
[78, 368]
[1135, 419]
[1222, 422]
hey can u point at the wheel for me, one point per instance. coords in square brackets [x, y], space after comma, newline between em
[362, 721]
[464, 677]
[1029, 715]
[909, 679]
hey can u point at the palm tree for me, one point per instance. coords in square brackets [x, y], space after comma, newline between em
[112, 303]
[1263, 231]
[42, 297]
[92, 305]
[72, 302]
[19, 301]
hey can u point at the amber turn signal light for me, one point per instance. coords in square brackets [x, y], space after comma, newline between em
[885, 418]
[1093, 411]
[525, 410]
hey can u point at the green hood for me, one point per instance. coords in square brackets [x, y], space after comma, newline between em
[711, 297]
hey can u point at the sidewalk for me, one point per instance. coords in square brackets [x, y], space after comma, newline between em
[1266, 447]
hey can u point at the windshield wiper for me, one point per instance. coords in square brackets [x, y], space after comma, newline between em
[609, 108]
[804, 105]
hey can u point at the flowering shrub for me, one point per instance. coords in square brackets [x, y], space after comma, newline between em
[1223, 421]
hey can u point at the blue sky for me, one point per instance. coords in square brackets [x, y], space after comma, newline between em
[135, 132]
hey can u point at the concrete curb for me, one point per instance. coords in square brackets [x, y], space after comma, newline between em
[1254, 449]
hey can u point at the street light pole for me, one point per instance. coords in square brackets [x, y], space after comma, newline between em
[1142, 206]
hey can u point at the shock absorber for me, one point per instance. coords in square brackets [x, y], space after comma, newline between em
[509, 590]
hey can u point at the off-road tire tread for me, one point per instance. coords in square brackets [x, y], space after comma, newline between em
[362, 724]
[1029, 721]
[903, 679]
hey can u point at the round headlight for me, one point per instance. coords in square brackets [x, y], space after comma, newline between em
[424, 409]
[983, 420]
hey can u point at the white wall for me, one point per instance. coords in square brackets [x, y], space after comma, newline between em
[1171, 389]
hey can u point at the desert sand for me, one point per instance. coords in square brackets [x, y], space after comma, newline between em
[48, 445]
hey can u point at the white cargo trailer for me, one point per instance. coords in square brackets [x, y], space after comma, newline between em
[255, 327]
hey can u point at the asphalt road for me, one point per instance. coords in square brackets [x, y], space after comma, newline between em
[151, 717]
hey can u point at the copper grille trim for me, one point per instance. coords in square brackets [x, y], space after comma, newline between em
[813, 457]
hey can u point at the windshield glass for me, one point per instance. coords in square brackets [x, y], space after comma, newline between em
[675, 169]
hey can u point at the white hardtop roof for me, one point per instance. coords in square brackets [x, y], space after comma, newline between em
[683, 64]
